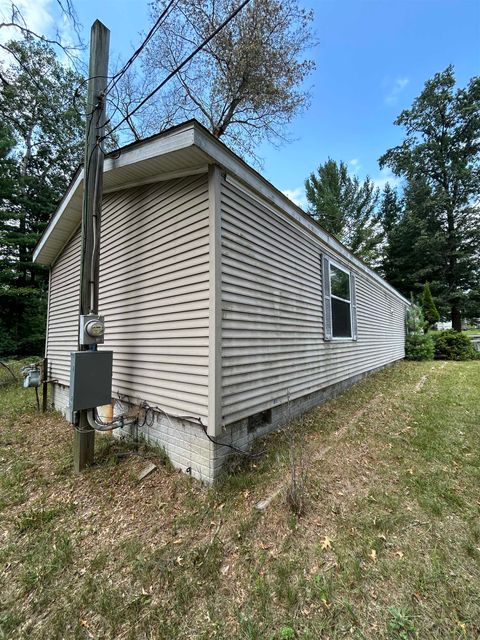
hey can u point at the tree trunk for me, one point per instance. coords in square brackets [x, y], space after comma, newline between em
[456, 318]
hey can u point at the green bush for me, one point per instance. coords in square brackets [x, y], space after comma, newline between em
[430, 311]
[418, 347]
[453, 345]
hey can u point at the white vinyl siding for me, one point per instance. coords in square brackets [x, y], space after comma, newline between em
[273, 345]
[63, 306]
[154, 294]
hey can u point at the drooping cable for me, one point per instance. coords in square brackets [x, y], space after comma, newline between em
[178, 68]
[194, 419]
[115, 78]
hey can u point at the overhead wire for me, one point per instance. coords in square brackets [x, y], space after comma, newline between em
[113, 80]
[116, 77]
[149, 411]
[179, 67]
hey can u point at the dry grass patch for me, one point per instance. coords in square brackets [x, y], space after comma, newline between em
[388, 547]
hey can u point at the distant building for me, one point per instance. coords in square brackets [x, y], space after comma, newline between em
[444, 326]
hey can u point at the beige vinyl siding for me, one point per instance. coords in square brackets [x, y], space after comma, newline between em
[272, 328]
[63, 306]
[154, 293]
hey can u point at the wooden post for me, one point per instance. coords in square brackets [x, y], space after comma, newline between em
[84, 439]
[44, 385]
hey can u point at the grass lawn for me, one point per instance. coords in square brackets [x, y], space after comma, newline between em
[388, 547]
[467, 332]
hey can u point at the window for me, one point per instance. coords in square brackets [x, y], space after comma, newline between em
[339, 302]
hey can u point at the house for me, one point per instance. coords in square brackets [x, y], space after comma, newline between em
[226, 307]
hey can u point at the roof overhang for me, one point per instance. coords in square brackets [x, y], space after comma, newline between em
[168, 155]
[186, 149]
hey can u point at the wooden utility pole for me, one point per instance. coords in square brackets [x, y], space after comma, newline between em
[44, 385]
[84, 438]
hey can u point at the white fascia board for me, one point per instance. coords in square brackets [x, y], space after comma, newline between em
[160, 146]
[252, 179]
[57, 216]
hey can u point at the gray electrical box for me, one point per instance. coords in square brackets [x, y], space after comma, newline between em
[90, 379]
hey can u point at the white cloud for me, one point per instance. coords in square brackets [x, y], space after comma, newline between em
[297, 196]
[385, 176]
[395, 89]
[40, 16]
[37, 16]
[354, 165]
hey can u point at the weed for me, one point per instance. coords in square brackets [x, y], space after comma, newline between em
[400, 625]
[296, 491]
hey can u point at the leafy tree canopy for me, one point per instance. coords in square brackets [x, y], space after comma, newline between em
[41, 137]
[441, 152]
[247, 83]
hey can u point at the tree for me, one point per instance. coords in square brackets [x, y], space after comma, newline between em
[390, 209]
[41, 142]
[414, 243]
[246, 84]
[430, 311]
[346, 207]
[442, 149]
[389, 215]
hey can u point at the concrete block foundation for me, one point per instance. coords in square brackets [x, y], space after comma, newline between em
[185, 442]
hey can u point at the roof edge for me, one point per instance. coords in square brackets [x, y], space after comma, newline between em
[247, 175]
[129, 154]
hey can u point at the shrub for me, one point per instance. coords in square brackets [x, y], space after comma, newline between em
[453, 345]
[415, 319]
[430, 311]
[418, 347]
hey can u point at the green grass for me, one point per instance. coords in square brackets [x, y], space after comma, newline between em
[472, 332]
[388, 548]
[468, 332]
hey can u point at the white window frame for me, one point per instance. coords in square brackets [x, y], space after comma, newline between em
[351, 302]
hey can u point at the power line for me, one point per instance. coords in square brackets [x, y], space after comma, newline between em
[179, 67]
[115, 78]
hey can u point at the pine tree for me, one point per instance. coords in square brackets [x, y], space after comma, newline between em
[415, 246]
[430, 311]
[346, 207]
[442, 149]
[40, 146]
[389, 216]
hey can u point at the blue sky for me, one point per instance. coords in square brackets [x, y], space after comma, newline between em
[372, 59]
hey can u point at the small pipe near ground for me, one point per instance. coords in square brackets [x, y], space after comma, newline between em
[99, 425]
[105, 413]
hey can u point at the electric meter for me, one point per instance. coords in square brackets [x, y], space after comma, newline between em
[92, 329]
[95, 328]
